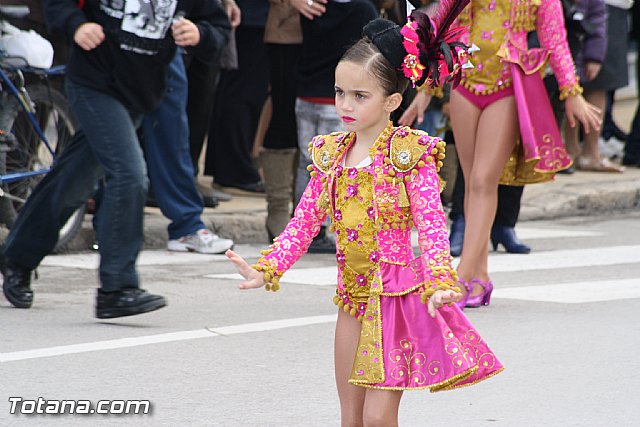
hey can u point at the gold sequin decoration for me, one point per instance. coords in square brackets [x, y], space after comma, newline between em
[567, 91]
[524, 15]
[271, 274]
[368, 366]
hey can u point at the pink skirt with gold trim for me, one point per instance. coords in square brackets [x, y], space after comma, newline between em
[402, 347]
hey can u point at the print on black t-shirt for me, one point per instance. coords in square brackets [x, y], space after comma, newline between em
[149, 19]
[144, 23]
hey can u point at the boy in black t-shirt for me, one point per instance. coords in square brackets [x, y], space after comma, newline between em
[116, 72]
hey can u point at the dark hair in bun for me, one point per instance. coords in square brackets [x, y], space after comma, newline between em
[380, 52]
[424, 50]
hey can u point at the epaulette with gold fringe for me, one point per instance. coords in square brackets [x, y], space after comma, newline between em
[323, 149]
[406, 154]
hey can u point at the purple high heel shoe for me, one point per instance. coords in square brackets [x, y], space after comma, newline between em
[478, 300]
[463, 302]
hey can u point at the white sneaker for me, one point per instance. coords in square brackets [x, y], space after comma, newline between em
[203, 241]
[611, 148]
[618, 147]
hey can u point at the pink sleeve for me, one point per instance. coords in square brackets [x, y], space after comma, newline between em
[552, 34]
[294, 241]
[429, 219]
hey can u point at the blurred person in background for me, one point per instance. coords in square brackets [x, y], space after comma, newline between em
[240, 96]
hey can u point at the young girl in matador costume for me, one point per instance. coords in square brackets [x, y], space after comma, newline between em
[396, 329]
[501, 100]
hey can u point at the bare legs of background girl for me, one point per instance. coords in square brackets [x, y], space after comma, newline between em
[484, 141]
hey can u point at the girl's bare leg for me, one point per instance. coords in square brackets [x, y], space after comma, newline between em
[352, 397]
[381, 408]
[464, 119]
[496, 134]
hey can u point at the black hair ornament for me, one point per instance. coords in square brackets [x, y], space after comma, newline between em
[423, 45]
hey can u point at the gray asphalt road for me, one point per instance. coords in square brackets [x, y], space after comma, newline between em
[564, 320]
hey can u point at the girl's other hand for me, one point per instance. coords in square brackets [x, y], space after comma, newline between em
[440, 298]
[576, 107]
[415, 111]
[253, 278]
[185, 33]
[591, 70]
[89, 36]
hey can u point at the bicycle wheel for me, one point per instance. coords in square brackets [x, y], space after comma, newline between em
[31, 154]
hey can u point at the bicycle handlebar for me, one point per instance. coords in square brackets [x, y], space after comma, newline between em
[7, 65]
[9, 62]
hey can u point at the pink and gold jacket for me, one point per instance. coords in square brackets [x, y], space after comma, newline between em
[406, 193]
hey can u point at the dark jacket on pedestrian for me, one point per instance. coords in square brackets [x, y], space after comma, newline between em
[130, 64]
[324, 41]
[254, 12]
[594, 39]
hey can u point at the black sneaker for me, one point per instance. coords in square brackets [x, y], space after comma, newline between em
[250, 189]
[209, 201]
[213, 191]
[17, 284]
[127, 302]
[568, 171]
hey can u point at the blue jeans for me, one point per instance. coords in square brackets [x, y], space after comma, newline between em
[166, 143]
[312, 119]
[105, 147]
[432, 121]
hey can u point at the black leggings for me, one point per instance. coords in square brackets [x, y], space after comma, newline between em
[237, 106]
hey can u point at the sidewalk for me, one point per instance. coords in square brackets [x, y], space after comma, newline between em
[583, 193]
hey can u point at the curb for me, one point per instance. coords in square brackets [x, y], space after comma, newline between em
[582, 203]
[240, 227]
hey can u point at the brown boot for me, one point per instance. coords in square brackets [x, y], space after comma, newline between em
[278, 167]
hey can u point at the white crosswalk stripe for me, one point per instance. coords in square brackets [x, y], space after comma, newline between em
[90, 261]
[498, 263]
[576, 292]
[549, 260]
[208, 332]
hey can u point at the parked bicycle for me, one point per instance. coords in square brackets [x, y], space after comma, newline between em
[36, 124]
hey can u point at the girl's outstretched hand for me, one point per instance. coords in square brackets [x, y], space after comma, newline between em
[589, 115]
[440, 298]
[254, 279]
